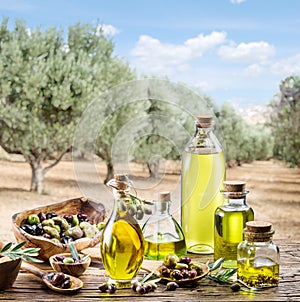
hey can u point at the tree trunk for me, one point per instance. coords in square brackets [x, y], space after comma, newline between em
[110, 171]
[37, 177]
[153, 169]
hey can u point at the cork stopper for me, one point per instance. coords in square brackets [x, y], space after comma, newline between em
[234, 189]
[121, 181]
[258, 231]
[234, 186]
[257, 226]
[204, 121]
[162, 196]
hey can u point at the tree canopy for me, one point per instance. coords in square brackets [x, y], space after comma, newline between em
[47, 78]
[285, 121]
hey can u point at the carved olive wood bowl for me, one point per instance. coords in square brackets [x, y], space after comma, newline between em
[95, 212]
[9, 270]
[75, 269]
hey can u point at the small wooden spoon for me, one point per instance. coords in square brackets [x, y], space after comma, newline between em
[76, 284]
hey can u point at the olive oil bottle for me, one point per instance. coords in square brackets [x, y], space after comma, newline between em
[122, 244]
[202, 176]
[162, 233]
[258, 257]
[230, 221]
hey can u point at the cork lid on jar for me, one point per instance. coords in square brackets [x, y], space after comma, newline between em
[234, 188]
[162, 195]
[258, 230]
[204, 121]
[119, 182]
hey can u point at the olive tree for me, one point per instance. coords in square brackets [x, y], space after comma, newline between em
[285, 121]
[47, 78]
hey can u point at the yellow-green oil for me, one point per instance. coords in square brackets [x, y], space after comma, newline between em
[202, 180]
[157, 249]
[229, 225]
[122, 248]
[262, 272]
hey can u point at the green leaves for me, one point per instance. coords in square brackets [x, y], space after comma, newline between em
[16, 252]
[222, 275]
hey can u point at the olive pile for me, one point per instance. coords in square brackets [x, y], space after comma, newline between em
[64, 229]
[177, 269]
[64, 259]
[59, 280]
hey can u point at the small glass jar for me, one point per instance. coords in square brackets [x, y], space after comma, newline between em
[162, 234]
[230, 221]
[258, 256]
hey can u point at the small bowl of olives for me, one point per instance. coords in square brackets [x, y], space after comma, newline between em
[67, 264]
[181, 270]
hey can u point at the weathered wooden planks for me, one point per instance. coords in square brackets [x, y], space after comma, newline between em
[30, 288]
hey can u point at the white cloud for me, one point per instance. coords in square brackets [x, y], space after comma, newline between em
[247, 52]
[253, 70]
[154, 56]
[237, 1]
[287, 66]
[107, 30]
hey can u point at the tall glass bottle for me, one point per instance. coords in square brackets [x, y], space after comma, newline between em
[230, 221]
[122, 244]
[162, 233]
[202, 176]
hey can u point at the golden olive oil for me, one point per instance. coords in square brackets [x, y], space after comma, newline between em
[229, 227]
[263, 272]
[122, 248]
[202, 180]
[158, 249]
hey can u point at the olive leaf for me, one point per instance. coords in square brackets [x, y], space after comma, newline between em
[16, 252]
[73, 251]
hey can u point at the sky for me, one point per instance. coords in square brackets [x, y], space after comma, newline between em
[235, 51]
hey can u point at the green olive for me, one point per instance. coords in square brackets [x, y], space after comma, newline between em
[68, 260]
[33, 219]
[171, 260]
[75, 221]
[101, 225]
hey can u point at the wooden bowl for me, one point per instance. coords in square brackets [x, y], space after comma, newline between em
[9, 270]
[95, 212]
[74, 269]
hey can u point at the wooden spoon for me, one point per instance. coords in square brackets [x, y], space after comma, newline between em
[76, 284]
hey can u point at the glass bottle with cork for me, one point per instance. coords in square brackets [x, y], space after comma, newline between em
[122, 244]
[162, 233]
[258, 257]
[230, 221]
[202, 176]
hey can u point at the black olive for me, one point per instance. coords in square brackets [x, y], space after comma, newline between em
[112, 288]
[103, 287]
[171, 286]
[66, 284]
[235, 287]
[42, 216]
[39, 229]
[27, 228]
[58, 279]
[51, 215]
[82, 217]
[185, 260]
[68, 217]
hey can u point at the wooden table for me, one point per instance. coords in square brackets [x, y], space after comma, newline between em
[27, 287]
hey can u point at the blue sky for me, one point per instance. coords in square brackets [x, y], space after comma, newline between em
[233, 50]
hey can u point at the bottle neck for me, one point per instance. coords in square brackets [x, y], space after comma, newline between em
[235, 199]
[161, 207]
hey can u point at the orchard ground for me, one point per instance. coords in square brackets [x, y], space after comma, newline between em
[274, 191]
